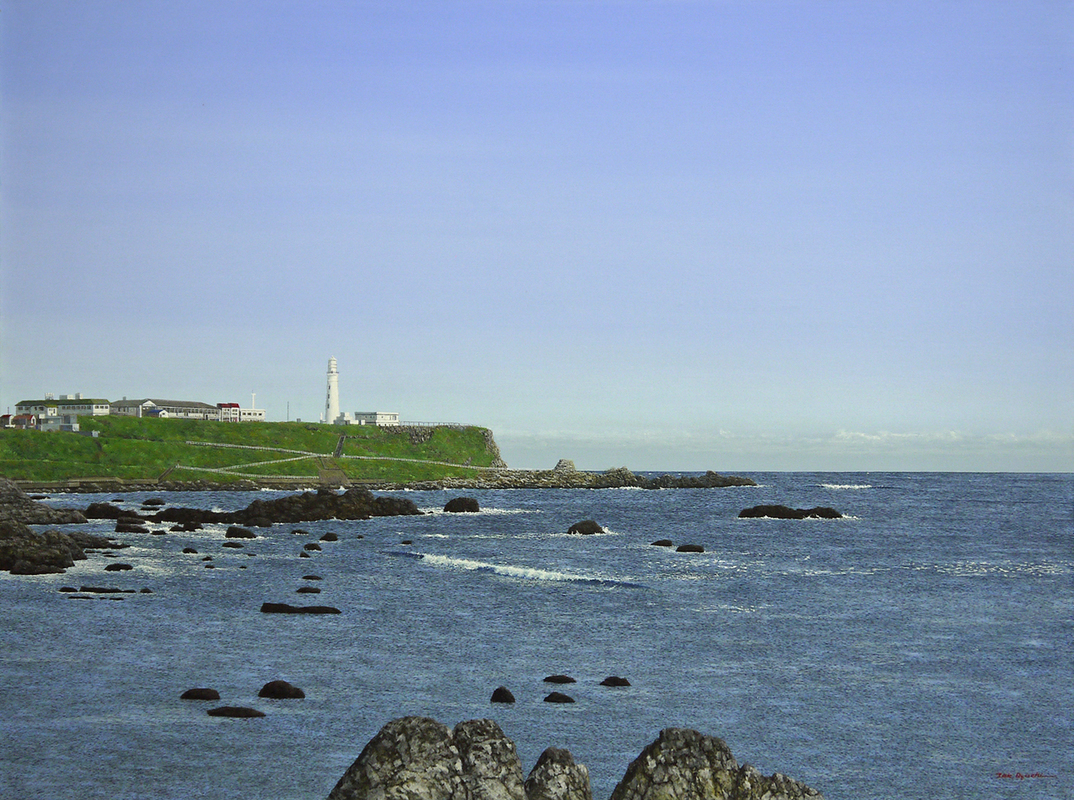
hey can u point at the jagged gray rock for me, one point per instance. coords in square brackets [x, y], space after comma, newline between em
[557, 776]
[418, 758]
[683, 764]
[16, 506]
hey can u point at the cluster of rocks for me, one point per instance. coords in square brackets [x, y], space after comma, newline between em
[352, 504]
[418, 758]
[504, 695]
[26, 552]
[273, 690]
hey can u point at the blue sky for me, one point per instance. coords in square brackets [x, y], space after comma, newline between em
[739, 235]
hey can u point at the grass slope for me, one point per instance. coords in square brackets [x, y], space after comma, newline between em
[143, 449]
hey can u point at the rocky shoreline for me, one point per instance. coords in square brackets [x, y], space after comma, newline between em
[563, 476]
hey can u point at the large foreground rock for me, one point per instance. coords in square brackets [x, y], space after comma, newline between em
[683, 764]
[417, 758]
[24, 552]
[16, 506]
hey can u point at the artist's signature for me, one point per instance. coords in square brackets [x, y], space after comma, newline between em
[1021, 776]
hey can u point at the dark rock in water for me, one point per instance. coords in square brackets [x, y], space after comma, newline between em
[236, 532]
[615, 680]
[153, 501]
[303, 554]
[689, 548]
[130, 527]
[312, 546]
[586, 527]
[104, 590]
[118, 567]
[281, 690]
[417, 758]
[232, 544]
[663, 543]
[109, 511]
[462, 505]
[785, 512]
[67, 589]
[145, 590]
[558, 697]
[200, 694]
[330, 537]
[502, 695]
[239, 712]
[311, 577]
[25, 552]
[683, 763]
[300, 532]
[286, 608]
[307, 590]
[557, 776]
[407, 541]
[560, 679]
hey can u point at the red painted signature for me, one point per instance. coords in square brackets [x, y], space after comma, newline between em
[1021, 776]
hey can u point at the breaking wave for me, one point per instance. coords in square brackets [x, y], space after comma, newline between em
[511, 571]
[846, 486]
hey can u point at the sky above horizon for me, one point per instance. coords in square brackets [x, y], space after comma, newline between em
[730, 235]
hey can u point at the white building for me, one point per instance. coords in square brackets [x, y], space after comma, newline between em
[68, 405]
[383, 418]
[186, 409]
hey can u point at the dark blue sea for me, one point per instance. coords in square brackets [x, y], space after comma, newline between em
[921, 647]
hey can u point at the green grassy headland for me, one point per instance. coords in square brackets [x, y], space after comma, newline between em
[130, 448]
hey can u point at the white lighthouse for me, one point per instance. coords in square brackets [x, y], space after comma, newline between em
[331, 400]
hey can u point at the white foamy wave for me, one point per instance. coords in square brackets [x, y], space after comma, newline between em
[438, 510]
[512, 571]
[846, 486]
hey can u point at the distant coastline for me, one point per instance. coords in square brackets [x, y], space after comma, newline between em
[618, 478]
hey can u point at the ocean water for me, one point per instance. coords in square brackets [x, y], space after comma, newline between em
[921, 647]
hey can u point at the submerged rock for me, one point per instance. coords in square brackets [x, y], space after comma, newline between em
[286, 608]
[200, 694]
[238, 712]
